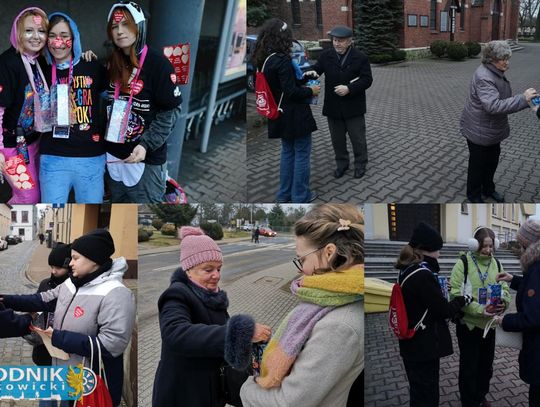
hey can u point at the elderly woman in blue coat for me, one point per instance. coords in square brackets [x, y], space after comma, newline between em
[484, 121]
[527, 317]
[198, 337]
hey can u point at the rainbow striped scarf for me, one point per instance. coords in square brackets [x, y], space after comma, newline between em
[319, 294]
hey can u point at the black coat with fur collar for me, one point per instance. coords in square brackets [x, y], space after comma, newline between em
[527, 318]
[197, 338]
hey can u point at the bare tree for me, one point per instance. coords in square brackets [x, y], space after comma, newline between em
[528, 13]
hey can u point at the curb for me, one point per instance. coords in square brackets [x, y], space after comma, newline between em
[177, 247]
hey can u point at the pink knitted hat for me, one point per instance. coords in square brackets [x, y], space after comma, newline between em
[529, 232]
[197, 248]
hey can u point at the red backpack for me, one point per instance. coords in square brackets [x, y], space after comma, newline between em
[397, 315]
[264, 100]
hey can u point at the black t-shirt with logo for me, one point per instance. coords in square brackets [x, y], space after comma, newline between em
[86, 136]
[16, 97]
[158, 93]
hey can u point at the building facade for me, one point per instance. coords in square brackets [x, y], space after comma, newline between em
[24, 221]
[455, 222]
[74, 220]
[311, 19]
[475, 20]
[5, 220]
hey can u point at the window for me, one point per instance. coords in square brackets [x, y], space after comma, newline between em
[494, 209]
[295, 8]
[24, 215]
[464, 209]
[21, 232]
[412, 20]
[462, 17]
[424, 21]
[318, 9]
[433, 15]
[514, 213]
[504, 212]
[444, 21]
[14, 216]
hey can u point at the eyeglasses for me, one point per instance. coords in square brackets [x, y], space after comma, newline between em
[299, 261]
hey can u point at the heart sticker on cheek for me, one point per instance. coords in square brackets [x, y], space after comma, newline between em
[56, 43]
[118, 15]
[37, 20]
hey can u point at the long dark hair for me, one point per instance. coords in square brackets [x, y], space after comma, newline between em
[275, 36]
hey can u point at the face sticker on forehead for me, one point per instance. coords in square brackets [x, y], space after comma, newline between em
[37, 20]
[118, 15]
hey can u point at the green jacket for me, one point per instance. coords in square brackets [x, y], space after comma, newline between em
[474, 316]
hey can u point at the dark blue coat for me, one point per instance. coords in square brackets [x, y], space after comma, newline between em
[196, 338]
[12, 325]
[527, 320]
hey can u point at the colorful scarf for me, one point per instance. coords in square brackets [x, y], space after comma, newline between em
[319, 294]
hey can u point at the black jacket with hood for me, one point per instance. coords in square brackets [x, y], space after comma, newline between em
[296, 119]
[421, 292]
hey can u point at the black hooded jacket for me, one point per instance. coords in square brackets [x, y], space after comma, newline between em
[421, 292]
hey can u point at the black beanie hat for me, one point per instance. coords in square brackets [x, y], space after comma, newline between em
[60, 256]
[425, 237]
[97, 246]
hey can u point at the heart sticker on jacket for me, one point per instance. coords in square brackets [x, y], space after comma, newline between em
[137, 86]
[79, 312]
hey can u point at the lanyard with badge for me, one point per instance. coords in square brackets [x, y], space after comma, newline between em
[121, 109]
[60, 103]
[482, 291]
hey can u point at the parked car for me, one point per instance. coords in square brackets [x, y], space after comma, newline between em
[3, 244]
[12, 239]
[19, 239]
[297, 53]
[266, 231]
[247, 227]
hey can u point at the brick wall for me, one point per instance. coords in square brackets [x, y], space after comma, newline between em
[334, 12]
[478, 23]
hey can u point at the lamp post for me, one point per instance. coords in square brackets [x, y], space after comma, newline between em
[454, 7]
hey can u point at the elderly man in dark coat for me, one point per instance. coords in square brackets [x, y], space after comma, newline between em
[347, 76]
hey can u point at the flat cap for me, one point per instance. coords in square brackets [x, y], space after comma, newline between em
[341, 31]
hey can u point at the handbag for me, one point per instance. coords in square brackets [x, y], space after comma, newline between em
[503, 338]
[99, 395]
[231, 382]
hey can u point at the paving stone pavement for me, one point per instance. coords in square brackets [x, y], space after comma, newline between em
[416, 152]
[219, 175]
[386, 383]
[13, 265]
[260, 294]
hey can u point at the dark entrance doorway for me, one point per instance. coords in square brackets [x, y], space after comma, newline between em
[496, 20]
[403, 218]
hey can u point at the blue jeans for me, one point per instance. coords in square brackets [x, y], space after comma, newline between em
[58, 175]
[150, 188]
[294, 170]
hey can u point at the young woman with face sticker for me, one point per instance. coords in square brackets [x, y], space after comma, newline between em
[73, 153]
[317, 352]
[144, 78]
[21, 77]
[476, 353]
